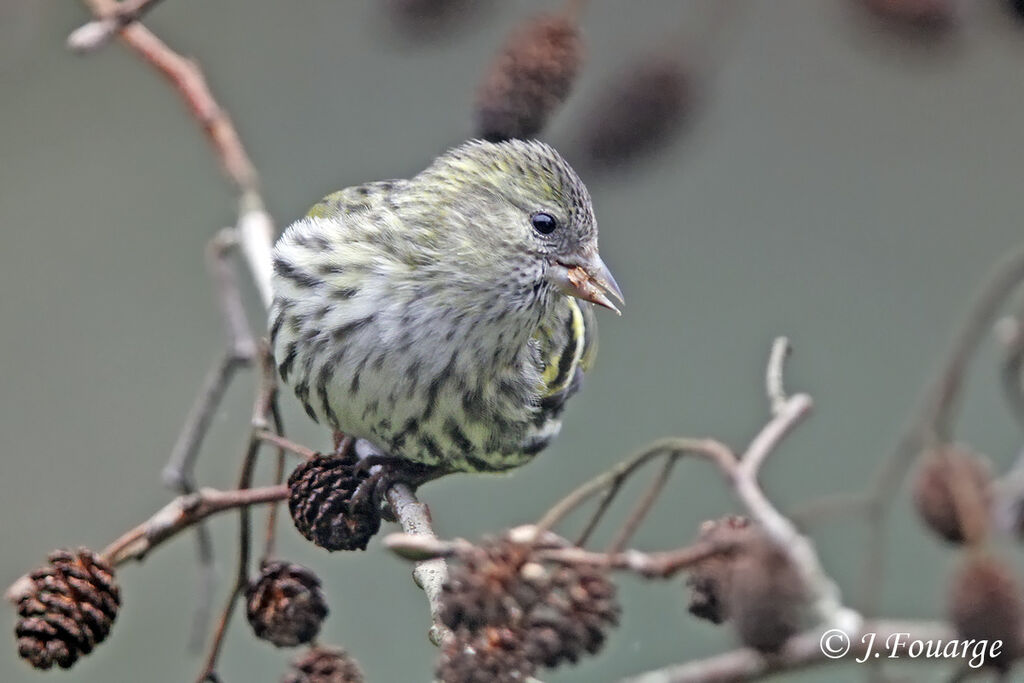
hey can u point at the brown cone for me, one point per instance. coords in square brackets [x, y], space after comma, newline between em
[322, 505]
[638, 111]
[921, 15]
[526, 611]
[285, 605]
[578, 608]
[710, 580]
[491, 655]
[324, 665]
[530, 78]
[952, 492]
[766, 596]
[985, 604]
[69, 610]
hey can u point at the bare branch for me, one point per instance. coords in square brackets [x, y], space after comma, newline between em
[660, 565]
[285, 444]
[180, 514]
[714, 451]
[823, 590]
[788, 415]
[800, 652]
[97, 33]
[643, 506]
[430, 575]
[255, 228]
[773, 377]
[266, 395]
[656, 565]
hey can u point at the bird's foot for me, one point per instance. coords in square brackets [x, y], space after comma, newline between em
[383, 472]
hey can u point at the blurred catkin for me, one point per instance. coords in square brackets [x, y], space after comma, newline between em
[710, 581]
[638, 111]
[926, 16]
[322, 664]
[419, 19]
[767, 597]
[530, 78]
[952, 493]
[985, 604]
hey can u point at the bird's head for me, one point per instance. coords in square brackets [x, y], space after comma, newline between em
[520, 220]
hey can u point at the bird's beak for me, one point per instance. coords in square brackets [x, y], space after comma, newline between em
[587, 278]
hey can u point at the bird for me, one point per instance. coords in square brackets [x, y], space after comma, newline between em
[447, 318]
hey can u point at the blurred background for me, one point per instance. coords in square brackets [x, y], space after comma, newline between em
[838, 176]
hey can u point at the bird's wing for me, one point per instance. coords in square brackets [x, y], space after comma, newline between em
[568, 346]
[353, 200]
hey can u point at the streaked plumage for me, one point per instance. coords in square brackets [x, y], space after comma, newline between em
[428, 315]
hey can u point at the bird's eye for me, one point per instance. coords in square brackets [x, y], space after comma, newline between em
[544, 223]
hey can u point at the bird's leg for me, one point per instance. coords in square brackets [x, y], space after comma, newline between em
[344, 445]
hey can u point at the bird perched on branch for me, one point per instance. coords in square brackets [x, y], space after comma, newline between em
[446, 319]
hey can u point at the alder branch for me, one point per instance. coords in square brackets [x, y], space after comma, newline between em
[431, 574]
[932, 423]
[800, 652]
[742, 473]
[96, 33]
[177, 516]
[649, 565]
[254, 227]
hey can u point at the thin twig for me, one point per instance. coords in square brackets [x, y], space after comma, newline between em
[229, 295]
[179, 515]
[269, 541]
[187, 78]
[787, 417]
[1011, 336]
[240, 352]
[932, 423]
[179, 471]
[651, 565]
[602, 508]
[262, 407]
[773, 383]
[825, 597]
[430, 575]
[98, 32]
[654, 565]
[286, 444]
[183, 513]
[643, 506]
[714, 451]
[255, 228]
[242, 574]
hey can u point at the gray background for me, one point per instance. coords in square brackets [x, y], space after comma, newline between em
[843, 185]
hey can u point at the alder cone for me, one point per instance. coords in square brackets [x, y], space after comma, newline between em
[985, 604]
[531, 77]
[69, 610]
